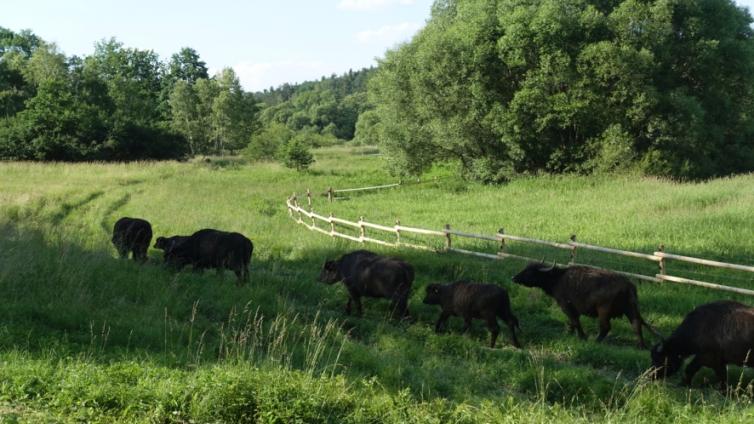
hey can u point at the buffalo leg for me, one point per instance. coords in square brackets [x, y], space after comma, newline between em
[573, 318]
[636, 323]
[691, 369]
[357, 303]
[494, 329]
[399, 306]
[348, 306]
[466, 324]
[122, 251]
[441, 321]
[721, 372]
[604, 319]
[512, 326]
[140, 254]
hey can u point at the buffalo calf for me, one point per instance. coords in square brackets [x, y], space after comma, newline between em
[581, 290]
[168, 246]
[370, 275]
[470, 300]
[132, 235]
[717, 334]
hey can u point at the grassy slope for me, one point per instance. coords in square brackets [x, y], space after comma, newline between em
[84, 335]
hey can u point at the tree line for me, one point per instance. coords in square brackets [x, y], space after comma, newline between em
[118, 103]
[499, 87]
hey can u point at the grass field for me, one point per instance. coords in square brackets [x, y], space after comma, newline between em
[85, 336]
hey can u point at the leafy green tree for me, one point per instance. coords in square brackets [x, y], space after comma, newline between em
[233, 113]
[509, 86]
[367, 129]
[296, 154]
[186, 120]
[186, 65]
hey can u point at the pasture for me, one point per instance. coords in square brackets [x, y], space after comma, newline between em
[86, 336]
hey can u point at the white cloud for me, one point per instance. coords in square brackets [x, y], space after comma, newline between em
[388, 34]
[259, 76]
[362, 5]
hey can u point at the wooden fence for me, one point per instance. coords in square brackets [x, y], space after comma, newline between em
[660, 257]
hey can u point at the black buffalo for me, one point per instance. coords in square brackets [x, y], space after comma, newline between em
[471, 300]
[210, 248]
[370, 275]
[132, 235]
[581, 290]
[717, 334]
[168, 245]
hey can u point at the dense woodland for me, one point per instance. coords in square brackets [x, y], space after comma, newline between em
[498, 87]
[505, 87]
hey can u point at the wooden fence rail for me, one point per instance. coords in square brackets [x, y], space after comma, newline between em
[660, 257]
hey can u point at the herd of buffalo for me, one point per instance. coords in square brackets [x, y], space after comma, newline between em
[716, 334]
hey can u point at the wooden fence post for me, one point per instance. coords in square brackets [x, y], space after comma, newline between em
[329, 194]
[502, 240]
[298, 210]
[661, 263]
[332, 226]
[309, 204]
[397, 232]
[362, 230]
[573, 251]
[448, 244]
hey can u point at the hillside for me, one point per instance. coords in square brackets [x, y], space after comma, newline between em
[86, 336]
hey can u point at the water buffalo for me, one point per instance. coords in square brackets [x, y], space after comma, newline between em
[471, 300]
[132, 235]
[167, 245]
[717, 334]
[210, 248]
[581, 290]
[367, 274]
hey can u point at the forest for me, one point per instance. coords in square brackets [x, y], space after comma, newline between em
[496, 88]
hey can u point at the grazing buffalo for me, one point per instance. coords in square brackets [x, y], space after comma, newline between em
[167, 245]
[210, 249]
[581, 290]
[132, 235]
[367, 274]
[470, 300]
[717, 333]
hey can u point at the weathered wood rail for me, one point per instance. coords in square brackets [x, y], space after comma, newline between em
[660, 257]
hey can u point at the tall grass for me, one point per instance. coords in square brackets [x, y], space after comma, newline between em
[85, 336]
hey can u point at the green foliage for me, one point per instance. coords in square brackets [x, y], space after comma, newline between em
[116, 104]
[296, 153]
[329, 107]
[266, 143]
[508, 87]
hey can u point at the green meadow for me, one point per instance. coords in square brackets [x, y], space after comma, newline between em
[86, 337]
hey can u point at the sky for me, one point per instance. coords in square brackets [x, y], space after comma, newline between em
[267, 42]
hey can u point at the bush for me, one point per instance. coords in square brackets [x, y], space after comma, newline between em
[296, 154]
[265, 144]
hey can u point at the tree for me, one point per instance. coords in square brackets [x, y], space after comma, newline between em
[233, 113]
[507, 87]
[184, 105]
[186, 66]
[296, 154]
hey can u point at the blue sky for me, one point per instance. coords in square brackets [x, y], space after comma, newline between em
[267, 42]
